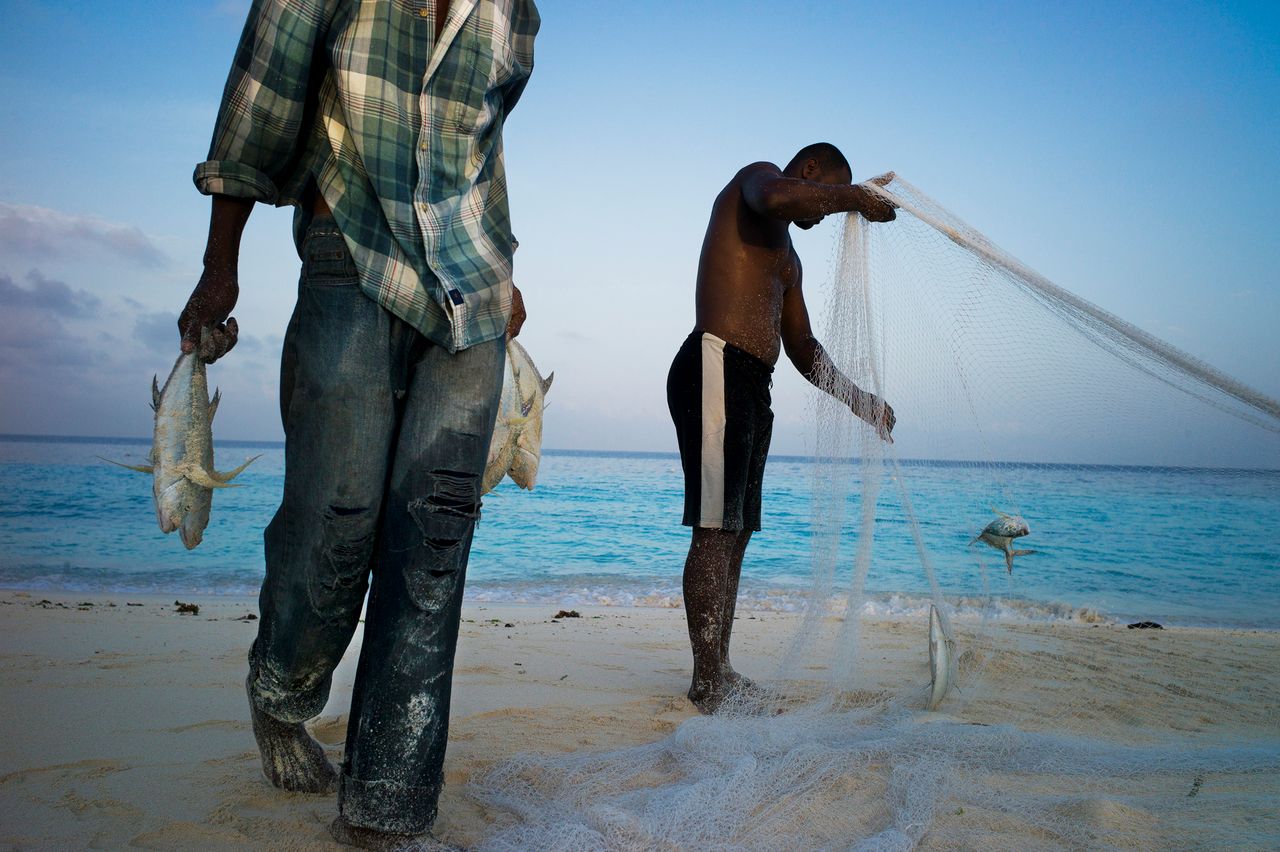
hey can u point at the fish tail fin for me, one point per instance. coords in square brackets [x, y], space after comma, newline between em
[1008, 561]
[140, 468]
[232, 474]
[198, 475]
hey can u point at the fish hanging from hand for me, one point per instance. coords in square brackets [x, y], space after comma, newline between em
[516, 446]
[183, 477]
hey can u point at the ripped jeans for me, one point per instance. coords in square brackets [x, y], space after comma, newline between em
[386, 437]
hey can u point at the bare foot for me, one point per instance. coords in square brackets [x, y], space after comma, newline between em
[750, 697]
[707, 696]
[291, 759]
[370, 838]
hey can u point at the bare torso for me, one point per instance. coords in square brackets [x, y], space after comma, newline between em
[746, 266]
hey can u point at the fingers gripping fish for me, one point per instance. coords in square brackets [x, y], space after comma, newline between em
[181, 458]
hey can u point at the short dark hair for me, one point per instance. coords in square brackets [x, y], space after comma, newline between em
[828, 156]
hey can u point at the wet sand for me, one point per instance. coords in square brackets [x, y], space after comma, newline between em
[125, 725]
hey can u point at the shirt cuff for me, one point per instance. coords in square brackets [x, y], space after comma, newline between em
[227, 177]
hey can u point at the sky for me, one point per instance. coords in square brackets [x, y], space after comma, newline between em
[1126, 151]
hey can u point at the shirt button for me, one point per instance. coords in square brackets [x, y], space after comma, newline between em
[423, 13]
[422, 145]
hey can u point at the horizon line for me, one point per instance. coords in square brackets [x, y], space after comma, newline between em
[17, 437]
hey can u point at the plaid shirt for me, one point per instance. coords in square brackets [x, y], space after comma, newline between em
[402, 136]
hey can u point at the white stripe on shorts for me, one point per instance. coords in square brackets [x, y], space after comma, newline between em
[713, 426]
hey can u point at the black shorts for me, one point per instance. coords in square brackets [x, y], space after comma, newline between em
[719, 401]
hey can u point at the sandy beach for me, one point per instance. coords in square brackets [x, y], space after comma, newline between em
[124, 721]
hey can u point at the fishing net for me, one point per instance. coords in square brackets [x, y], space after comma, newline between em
[991, 369]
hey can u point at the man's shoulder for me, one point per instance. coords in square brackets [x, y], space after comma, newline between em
[735, 188]
[757, 168]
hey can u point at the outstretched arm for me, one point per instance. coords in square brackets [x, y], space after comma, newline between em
[808, 356]
[770, 193]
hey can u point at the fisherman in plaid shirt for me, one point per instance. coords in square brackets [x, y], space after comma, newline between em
[381, 123]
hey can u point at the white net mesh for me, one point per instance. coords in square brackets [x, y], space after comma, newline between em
[986, 364]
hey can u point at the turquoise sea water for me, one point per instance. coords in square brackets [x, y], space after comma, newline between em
[1190, 547]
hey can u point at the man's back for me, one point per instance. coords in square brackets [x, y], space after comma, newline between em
[746, 265]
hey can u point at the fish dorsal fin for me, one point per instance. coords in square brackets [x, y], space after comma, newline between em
[1001, 514]
[155, 393]
[232, 474]
[546, 383]
[140, 468]
[213, 403]
[199, 476]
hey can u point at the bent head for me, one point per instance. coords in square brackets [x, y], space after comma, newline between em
[821, 162]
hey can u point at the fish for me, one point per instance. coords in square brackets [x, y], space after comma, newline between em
[941, 657]
[516, 446]
[181, 456]
[1000, 534]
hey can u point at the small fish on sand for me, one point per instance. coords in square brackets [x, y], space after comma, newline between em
[1000, 534]
[181, 458]
[516, 447]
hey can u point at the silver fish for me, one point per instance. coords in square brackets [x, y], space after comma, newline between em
[1000, 534]
[516, 447]
[941, 657]
[181, 458]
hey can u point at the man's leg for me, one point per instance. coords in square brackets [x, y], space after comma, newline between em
[706, 587]
[338, 409]
[393, 767]
[733, 574]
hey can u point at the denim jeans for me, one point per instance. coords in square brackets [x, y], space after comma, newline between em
[386, 436]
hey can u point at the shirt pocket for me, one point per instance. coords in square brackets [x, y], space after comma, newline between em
[482, 67]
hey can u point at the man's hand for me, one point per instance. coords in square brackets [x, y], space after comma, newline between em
[876, 412]
[873, 207]
[209, 308]
[517, 313]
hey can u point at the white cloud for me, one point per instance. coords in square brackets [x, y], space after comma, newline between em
[46, 296]
[39, 232]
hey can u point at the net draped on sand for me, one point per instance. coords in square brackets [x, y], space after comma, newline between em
[985, 361]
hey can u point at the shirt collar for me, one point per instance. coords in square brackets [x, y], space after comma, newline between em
[459, 11]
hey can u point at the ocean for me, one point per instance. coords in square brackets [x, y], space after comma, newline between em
[1177, 546]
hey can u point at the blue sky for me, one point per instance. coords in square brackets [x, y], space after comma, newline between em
[1126, 151]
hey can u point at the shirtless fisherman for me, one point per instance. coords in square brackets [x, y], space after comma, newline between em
[749, 299]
